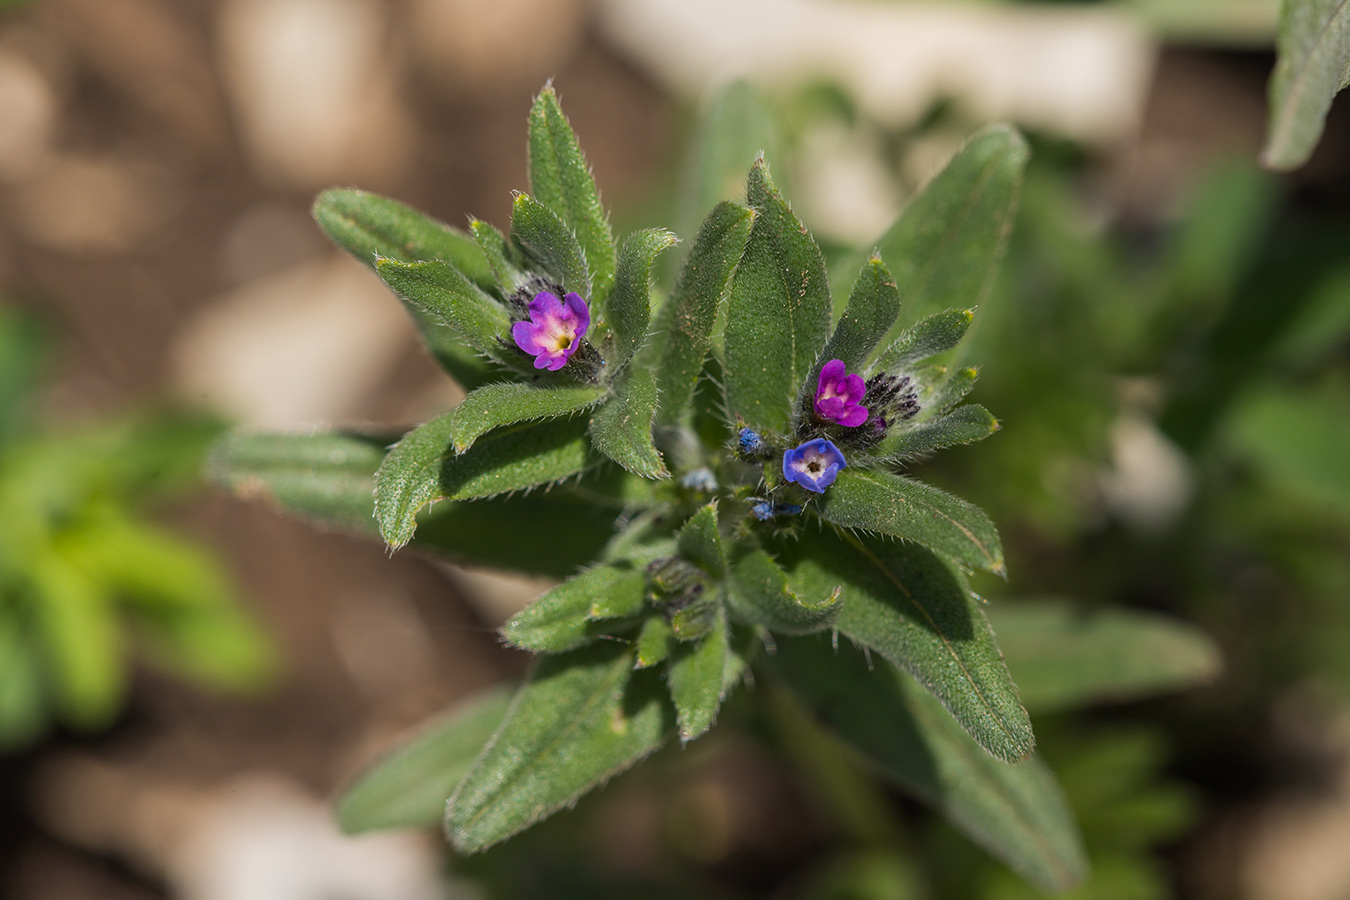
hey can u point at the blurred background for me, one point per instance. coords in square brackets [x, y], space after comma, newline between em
[186, 678]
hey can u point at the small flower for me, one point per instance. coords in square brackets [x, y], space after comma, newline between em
[554, 331]
[839, 395]
[813, 465]
[764, 510]
[750, 443]
[700, 480]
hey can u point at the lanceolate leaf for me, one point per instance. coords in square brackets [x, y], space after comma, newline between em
[686, 323]
[778, 313]
[628, 309]
[496, 405]
[561, 179]
[561, 619]
[622, 428]
[407, 786]
[947, 244]
[410, 478]
[655, 642]
[1064, 657]
[948, 392]
[759, 593]
[697, 680]
[928, 337]
[546, 240]
[961, 426]
[498, 255]
[328, 478]
[438, 290]
[914, 511]
[518, 457]
[582, 718]
[907, 605]
[872, 308]
[368, 226]
[700, 543]
[1016, 812]
[1313, 63]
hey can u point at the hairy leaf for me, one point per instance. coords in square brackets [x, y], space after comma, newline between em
[758, 592]
[700, 543]
[778, 312]
[498, 255]
[582, 718]
[1312, 65]
[961, 426]
[410, 477]
[697, 680]
[561, 619]
[622, 428]
[518, 457]
[1064, 657]
[438, 290]
[655, 642]
[628, 308]
[407, 786]
[906, 604]
[872, 309]
[926, 338]
[495, 405]
[544, 238]
[914, 511]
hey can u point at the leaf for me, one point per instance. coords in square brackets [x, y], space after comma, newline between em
[1016, 812]
[948, 392]
[544, 238]
[561, 179]
[495, 405]
[913, 511]
[327, 478]
[872, 308]
[1062, 657]
[778, 312]
[1299, 439]
[439, 291]
[561, 619]
[655, 642]
[1312, 65]
[622, 428]
[580, 719]
[407, 786]
[81, 638]
[906, 604]
[686, 323]
[368, 226]
[700, 543]
[628, 308]
[759, 593]
[947, 244]
[22, 712]
[961, 426]
[410, 477]
[697, 679]
[927, 338]
[498, 255]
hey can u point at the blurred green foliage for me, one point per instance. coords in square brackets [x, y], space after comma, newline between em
[86, 581]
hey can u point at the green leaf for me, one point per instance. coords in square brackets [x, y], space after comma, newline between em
[628, 307]
[544, 238]
[368, 226]
[926, 338]
[622, 428]
[947, 244]
[778, 313]
[948, 392]
[913, 511]
[439, 291]
[561, 179]
[760, 594]
[561, 619]
[1016, 812]
[82, 639]
[495, 405]
[410, 477]
[686, 322]
[1299, 439]
[22, 713]
[961, 426]
[582, 718]
[655, 642]
[407, 786]
[906, 604]
[701, 544]
[872, 309]
[697, 679]
[1062, 657]
[498, 254]
[1312, 65]
[327, 478]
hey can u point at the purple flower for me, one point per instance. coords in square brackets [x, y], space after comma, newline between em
[838, 395]
[813, 465]
[554, 331]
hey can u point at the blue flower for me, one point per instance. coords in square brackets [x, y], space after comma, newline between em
[750, 443]
[813, 465]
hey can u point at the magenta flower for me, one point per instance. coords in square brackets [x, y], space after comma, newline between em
[554, 331]
[814, 464]
[838, 395]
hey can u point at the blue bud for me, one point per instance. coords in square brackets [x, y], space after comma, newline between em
[751, 444]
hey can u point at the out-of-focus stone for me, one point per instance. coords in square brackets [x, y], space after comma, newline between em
[842, 187]
[468, 46]
[96, 205]
[267, 238]
[28, 111]
[1081, 73]
[313, 90]
[306, 345]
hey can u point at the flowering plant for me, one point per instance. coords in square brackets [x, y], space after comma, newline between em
[712, 473]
